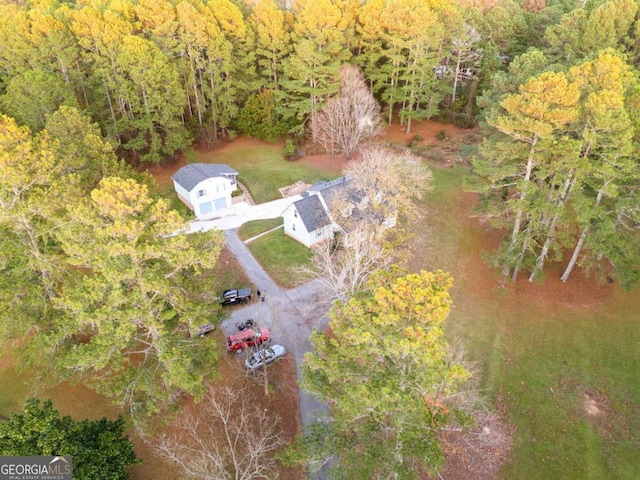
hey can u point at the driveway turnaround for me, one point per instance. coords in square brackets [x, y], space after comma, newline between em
[291, 315]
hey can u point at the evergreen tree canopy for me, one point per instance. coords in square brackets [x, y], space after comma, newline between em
[98, 448]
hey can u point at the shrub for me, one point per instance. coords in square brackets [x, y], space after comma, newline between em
[442, 135]
[290, 150]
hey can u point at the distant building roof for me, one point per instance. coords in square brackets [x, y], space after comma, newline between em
[312, 213]
[339, 188]
[323, 185]
[191, 175]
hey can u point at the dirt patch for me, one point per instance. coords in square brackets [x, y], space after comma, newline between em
[282, 402]
[162, 173]
[597, 408]
[591, 406]
[430, 131]
[598, 412]
[478, 453]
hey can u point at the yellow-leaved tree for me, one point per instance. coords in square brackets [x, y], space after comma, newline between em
[385, 371]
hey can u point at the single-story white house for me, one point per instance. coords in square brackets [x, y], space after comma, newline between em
[205, 187]
[309, 220]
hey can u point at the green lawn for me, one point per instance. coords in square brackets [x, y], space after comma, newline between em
[263, 168]
[278, 254]
[546, 352]
[256, 227]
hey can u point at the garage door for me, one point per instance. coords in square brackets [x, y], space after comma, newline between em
[206, 207]
[221, 203]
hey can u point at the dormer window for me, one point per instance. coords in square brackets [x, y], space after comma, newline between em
[201, 193]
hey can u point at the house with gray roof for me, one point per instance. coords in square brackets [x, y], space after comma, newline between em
[205, 187]
[309, 220]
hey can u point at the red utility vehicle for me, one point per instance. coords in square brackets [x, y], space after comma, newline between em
[247, 338]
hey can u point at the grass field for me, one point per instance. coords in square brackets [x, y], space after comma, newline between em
[277, 254]
[263, 168]
[256, 227]
[561, 361]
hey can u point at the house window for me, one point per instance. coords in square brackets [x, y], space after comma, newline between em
[201, 193]
[318, 233]
[295, 213]
[293, 227]
[217, 188]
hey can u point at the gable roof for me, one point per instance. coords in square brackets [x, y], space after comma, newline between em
[323, 184]
[312, 213]
[191, 175]
[324, 187]
[339, 188]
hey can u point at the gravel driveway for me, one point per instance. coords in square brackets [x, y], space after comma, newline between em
[291, 315]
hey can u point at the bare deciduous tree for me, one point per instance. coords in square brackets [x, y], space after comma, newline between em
[349, 118]
[390, 181]
[229, 439]
[384, 186]
[467, 57]
[345, 265]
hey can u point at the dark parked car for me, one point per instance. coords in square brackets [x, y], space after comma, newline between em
[238, 295]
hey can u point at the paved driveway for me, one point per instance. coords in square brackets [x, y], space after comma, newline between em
[291, 315]
[234, 216]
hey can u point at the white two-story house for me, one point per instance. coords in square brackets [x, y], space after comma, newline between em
[205, 187]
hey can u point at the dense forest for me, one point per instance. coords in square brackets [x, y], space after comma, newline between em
[89, 88]
[155, 75]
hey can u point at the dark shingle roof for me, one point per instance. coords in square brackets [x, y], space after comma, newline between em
[341, 188]
[194, 173]
[322, 186]
[312, 213]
